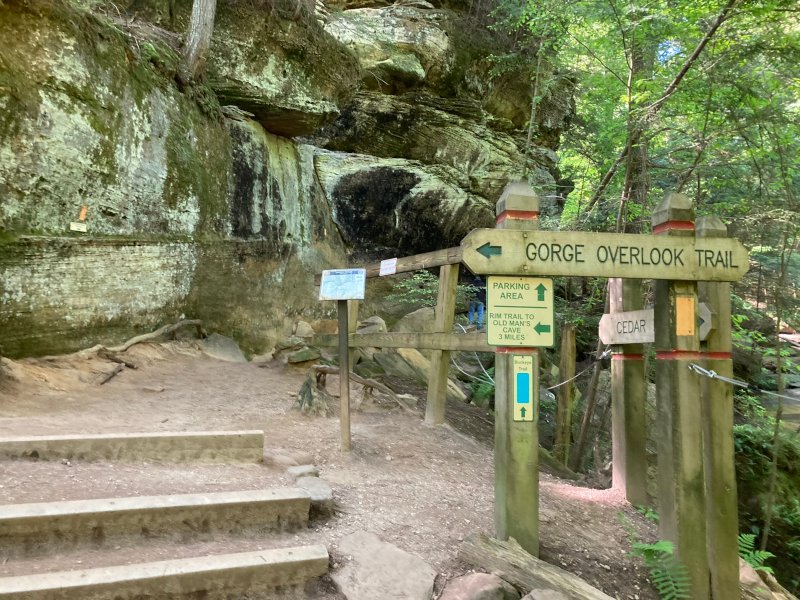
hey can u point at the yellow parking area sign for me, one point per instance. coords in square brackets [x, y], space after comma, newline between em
[520, 311]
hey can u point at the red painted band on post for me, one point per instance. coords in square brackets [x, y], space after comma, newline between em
[523, 215]
[679, 355]
[514, 350]
[630, 356]
[717, 355]
[674, 226]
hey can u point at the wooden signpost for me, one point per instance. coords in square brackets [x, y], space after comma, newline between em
[516, 437]
[681, 478]
[579, 254]
[343, 285]
[696, 487]
[717, 407]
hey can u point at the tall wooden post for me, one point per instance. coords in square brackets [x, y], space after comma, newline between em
[344, 374]
[440, 359]
[681, 481]
[352, 326]
[628, 397]
[516, 442]
[566, 371]
[722, 515]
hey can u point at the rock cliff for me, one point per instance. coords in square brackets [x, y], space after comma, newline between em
[318, 130]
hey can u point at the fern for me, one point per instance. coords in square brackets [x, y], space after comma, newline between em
[754, 558]
[668, 575]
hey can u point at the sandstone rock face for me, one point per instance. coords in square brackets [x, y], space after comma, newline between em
[398, 47]
[85, 121]
[294, 79]
[452, 134]
[405, 146]
[399, 204]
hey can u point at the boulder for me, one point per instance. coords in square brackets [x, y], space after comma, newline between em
[398, 47]
[286, 457]
[320, 492]
[421, 367]
[304, 355]
[375, 569]
[418, 321]
[222, 348]
[757, 585]
[303, 471]
[303, 330]
[382, 204]
[479, 586]
[373, 324]
[540, 594]
[325, 326]
[369, 369]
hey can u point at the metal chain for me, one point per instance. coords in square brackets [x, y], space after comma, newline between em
[605, 353]
[737, 382]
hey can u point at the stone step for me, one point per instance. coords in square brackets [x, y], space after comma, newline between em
[200, 446]
[265, 574]
[35, 529]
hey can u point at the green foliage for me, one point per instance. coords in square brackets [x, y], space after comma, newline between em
[753, 450]
[483, 390]
[667, 574]
[421, 289]
[752, 556]
[648, 513]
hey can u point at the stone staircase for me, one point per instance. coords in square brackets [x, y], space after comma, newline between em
[232, 544]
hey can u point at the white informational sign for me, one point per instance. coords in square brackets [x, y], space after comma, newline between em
[343, 284]
[629, 327]
[388, 267]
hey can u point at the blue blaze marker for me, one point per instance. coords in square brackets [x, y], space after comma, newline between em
[523, 388]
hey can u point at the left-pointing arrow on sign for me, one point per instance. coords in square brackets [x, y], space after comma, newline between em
[489, 251]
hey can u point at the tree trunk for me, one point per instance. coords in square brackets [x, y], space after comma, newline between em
[523, 571]
[198, 39]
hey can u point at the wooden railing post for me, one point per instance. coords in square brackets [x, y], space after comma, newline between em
[628, 397]
[720, 469]
[681, 483]
[516, 443]
[440, 359]
[566, 371]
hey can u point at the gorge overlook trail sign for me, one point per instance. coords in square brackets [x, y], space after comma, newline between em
[581, 254]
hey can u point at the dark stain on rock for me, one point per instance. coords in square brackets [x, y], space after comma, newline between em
[366, 203]
[421, 224]
[241, 192]
[247, 197]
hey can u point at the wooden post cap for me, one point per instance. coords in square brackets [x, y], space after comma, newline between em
[711, 226]
[517, 196]
[674, 213]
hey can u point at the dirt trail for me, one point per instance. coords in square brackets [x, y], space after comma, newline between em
[419, 487]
